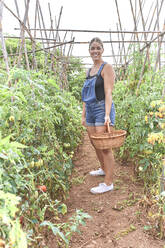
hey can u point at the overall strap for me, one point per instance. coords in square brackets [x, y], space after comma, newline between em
[100, 69]
[88, 72]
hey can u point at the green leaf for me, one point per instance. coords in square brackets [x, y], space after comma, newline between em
[34, 221]
[55, 230]
[3, 156]
[62, 209]
[146, 228]
[21, 96]
[18, 145]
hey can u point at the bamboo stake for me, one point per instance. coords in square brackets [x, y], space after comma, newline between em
[146, 40]
[51, 28]
[34, 62]
[71, 45]
[123, 46]
[94, 31]
[158, 38]
[145, 37]
[113, 52]
[39, 22]
[63, 51]
[122, 70]
[144, 24]
[64, 65]
[76, 56]
[159, 47]
[156, 7]
[148, 17]
[44, 49]
[43, 23]
[28, 23]
[119, 59]
[56, 36]
[82, 42]
[2, 39]
[142, 71]
[113, 55]
[70, 50]
[23, 36]
[25, 48]
[136, 22]
[134, 19]
[157, 60]
[156, 20]
[51, 22]
[17, 9]
[142, 18]
[148, 44]
[22, 24]
[58, 24]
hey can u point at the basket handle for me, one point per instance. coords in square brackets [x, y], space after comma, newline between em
[108, 128]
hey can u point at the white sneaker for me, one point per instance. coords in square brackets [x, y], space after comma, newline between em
[98, 172]
[102, 188]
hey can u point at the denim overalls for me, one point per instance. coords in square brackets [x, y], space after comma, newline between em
[95, 110]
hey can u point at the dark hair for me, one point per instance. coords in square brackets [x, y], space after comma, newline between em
[96, 39]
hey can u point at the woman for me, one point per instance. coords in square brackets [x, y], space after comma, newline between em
[98, 110]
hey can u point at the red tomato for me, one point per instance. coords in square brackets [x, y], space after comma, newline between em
[42, 188]
[21, 219]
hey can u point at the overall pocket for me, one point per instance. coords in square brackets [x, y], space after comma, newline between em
[88, 91]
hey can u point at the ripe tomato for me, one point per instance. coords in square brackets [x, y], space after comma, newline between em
[21, 219]
[42, 188]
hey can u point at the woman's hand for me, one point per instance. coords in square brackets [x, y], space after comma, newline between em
[107, 120]
[83, 121]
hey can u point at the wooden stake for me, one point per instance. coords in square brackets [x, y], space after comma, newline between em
[114, 58]
[23, 36]
[123, 46]
[2, 39]
[34, 61]
[43, 23]
[56, 37]
[22, 24]
[159, 47]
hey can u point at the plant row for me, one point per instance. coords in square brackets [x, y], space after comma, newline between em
[40, 129]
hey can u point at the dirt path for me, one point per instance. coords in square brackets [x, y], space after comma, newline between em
[112, 224]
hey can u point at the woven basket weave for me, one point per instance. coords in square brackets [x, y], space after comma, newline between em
[109, 139]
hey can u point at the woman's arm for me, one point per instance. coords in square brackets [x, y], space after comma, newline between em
[108, 75]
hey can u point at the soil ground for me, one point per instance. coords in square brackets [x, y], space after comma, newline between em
[117, 219]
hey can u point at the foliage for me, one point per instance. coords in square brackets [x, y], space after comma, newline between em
[136, 63]
[40, 129]
[76, 78]
[69, 227]
[76, 84]
[134, 109]
[12, 48]
[140, 110]
[10, 227]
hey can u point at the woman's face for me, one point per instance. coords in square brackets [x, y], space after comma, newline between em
[96, 51]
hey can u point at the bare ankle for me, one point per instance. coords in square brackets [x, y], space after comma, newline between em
[108, 183]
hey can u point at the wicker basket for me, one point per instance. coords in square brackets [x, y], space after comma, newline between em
[109, 139]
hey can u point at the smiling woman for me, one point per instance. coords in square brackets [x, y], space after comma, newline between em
[98, 110]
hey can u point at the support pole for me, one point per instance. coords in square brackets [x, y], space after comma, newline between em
[2, 39]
